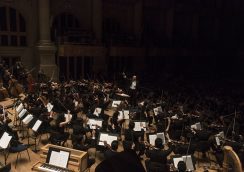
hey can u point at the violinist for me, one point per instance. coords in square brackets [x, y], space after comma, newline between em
[135, 136]
[114, 126]
[111, 150]
[4, 127]
[158, 156]
[58, 134]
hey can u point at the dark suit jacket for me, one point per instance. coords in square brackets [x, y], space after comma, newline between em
[109, 153]
[157, 155]
[122, 162]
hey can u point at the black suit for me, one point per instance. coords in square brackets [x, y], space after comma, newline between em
[109, 153]
[122, 162]
[157, 157]
[134, 136]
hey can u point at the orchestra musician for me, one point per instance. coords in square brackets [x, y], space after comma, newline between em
[158, 156]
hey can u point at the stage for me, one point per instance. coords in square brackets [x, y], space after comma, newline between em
[25, 165]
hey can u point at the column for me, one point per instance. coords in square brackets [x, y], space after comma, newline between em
[97, 19]
[45, 49]
[44, 22]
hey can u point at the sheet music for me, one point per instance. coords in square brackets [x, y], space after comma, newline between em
[49, 107]
[111, 138]
[176, 161]
[196, 126]
[54, 158]
[152, 138]
[64, 158]
[217, 140]
[139, 126]
[76, 103]
[37, 125]
[59, 159]
[97, 111]
[161, 136]
[157, 110]
[189, 164]
[116, 103]
[221, 135]
[27, 119]
[93, 123]
[5, 139]
[19, 108]
[126, 114]
[103, 137]
[22, 113]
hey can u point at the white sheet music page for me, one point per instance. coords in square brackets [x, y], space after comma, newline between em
[152, 138]
[22, 113]
[27, 119]
[189, 164]
[36, 125]
[64, 158]
[103, 137]
[97, 111]
[19, 108]
[126, 114]
[92, 123]
[137, 126]
[120, 116]
[110, 139]
[49, 107]
[161, 136]
[99, 123]
[54, 158]
[198, 125]
[5, 139]
[176, 161]
[217, 140]
[116, 103]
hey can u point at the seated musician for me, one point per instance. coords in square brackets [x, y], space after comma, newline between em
[4, 127]
[59, 134]
[158, 156]
[77, 137]
[111, 150]
[114, 125]
[135, 136]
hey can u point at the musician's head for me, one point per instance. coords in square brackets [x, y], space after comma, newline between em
[131, 125]
[114, 145]
[159, 143]
[127, 145]
[134, 77]
[181, 166]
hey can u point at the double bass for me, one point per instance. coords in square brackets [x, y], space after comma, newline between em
[15, 89]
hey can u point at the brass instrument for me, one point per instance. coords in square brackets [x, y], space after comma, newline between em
[231, 157]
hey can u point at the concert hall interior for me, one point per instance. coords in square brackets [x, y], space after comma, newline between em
[121, 85]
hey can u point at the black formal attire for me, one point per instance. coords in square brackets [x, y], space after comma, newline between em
[109, 153]
[157, 157]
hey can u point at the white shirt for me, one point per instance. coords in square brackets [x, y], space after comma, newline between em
[133, 85]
